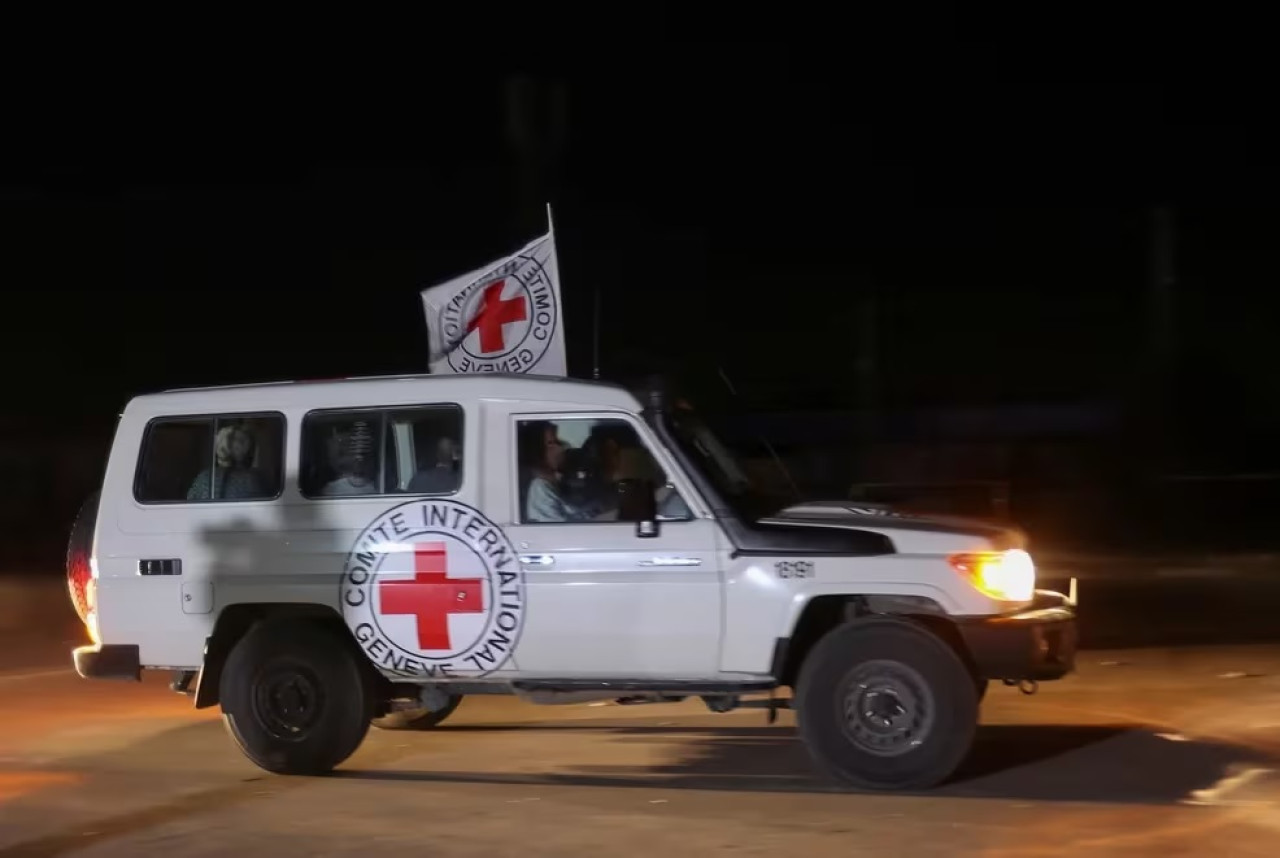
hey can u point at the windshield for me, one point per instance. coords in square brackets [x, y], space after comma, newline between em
[720, 466]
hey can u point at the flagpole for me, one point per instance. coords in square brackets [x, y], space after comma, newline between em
[595, 310]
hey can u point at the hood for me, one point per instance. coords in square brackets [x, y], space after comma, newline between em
[881, 518]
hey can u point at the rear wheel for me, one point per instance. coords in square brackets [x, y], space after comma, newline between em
[885, 704]
[294, 698]
[418, 719]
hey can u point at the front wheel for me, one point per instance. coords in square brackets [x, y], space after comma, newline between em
[885, 704]
[418, 719]
[294, 698]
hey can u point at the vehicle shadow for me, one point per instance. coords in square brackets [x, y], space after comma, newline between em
[1052, 763]
[294, 547]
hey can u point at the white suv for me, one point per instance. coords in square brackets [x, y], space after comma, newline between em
[314, 557]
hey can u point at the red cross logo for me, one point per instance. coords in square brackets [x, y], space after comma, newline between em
[493, 314]
[431, 596]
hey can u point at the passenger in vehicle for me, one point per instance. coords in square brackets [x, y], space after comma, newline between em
[603, 447]
[576, 481]
[635, 463]
[233, 476]
[353, 462]
[442, 476]
[541, 455]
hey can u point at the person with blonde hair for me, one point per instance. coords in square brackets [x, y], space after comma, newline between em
[233, 476]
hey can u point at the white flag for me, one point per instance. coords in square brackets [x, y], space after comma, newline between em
[504, 317]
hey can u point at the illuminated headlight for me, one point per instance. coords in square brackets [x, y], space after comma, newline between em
[1008, 576]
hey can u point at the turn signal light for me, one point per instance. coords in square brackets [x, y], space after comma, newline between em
[1008, 576]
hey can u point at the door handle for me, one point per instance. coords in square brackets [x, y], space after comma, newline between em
[160, 567]
[537, 559]
[671, 561]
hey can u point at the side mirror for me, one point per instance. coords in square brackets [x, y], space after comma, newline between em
[637, 501]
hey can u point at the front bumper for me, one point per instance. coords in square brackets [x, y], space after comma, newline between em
[108, 661]
[1036, 643]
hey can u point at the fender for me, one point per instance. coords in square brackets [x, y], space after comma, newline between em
[926, 592]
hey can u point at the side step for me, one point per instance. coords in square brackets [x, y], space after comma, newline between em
[647, 686]
[715, 702]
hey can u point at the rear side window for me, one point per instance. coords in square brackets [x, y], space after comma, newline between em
[384, 451]
[222, 458]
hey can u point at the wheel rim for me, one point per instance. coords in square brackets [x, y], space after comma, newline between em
[288, 700]
[887, 708]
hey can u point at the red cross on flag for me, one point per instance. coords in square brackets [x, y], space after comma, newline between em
[504, 317]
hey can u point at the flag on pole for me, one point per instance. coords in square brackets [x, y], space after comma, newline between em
[504, 317]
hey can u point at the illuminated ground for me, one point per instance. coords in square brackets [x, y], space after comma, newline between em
[1144, 752]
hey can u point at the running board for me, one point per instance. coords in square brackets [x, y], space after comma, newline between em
[608, 686]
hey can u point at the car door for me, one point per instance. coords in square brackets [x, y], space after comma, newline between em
[603, 601]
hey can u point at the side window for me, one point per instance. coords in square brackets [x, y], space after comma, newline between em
[571, 469]
[381, 452]
[222, 458]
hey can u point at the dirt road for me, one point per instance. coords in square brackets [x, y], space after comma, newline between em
[1143, 752]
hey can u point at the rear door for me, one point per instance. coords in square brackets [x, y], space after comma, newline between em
[193, 511]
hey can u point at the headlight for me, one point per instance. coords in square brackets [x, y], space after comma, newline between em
[1008, 576]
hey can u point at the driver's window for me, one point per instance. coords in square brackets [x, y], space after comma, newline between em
[570, 470]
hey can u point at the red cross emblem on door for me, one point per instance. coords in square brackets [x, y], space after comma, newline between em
[431, 596]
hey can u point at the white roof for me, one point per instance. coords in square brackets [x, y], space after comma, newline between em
[388, 390]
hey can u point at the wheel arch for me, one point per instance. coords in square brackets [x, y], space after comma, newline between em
[822, 614]
[235, 621]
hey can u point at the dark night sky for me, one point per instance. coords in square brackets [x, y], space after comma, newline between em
[1000, 220]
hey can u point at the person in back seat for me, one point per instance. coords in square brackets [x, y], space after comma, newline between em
[352, 462]
[442, 476]
[236, 478]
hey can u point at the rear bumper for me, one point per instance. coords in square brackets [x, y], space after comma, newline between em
[1037, 643]
[108, 661]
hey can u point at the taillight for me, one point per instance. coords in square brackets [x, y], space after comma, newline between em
[1008, 576]
[91, 615]
[81, 584]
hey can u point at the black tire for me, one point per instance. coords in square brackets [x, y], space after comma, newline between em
[981, 687]
[79, 550]
[418, 719]
[897, 665]
[271, 656]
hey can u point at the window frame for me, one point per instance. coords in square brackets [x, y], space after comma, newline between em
[212, 417]
[639, 427]
[380, 411]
